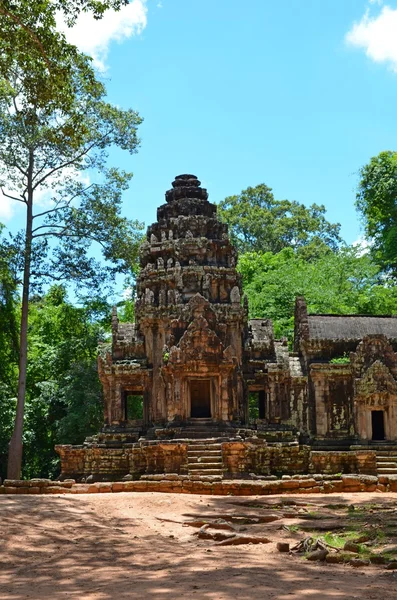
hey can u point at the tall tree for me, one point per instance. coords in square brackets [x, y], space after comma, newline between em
[8, 350]
[51, 143]
[377, 203]
[259, 223]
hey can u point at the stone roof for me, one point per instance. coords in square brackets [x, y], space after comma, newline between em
[353, 327]
[261, 330]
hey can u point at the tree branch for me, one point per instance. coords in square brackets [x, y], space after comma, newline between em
[58, 207]
[32, 34]
[59, 234]
[12, 197]
[72, 160]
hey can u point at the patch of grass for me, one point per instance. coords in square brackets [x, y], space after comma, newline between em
[338, 540]
[292, 528]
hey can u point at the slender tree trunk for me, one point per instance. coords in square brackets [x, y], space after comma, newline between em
[15, 446]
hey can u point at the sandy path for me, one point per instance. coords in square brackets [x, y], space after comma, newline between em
[113, 546]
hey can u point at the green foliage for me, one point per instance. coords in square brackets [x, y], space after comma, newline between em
[64, 401]
[259, 223]
[340, 360]
[31, 45]
[337, 282]
[54, 138]
[253, 408]
[377, 203]
[134, 407]
[9, 349]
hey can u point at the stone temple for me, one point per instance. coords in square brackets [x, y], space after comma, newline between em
[194, 387]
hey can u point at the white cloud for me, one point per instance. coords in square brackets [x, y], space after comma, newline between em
[362, 245]
[94, 36]
[6, 207]
[45, 196]
[377, 35]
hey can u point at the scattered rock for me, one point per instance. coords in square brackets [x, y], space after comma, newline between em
[351, 547]
[377, 559]
[319, 554]
[238, 540]
[334, 558]
[359, 562]
[362, 539]
[283, 546]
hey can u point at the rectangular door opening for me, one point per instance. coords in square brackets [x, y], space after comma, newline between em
[133, 405]
[200, 398]
[257, 405]
[378, 425]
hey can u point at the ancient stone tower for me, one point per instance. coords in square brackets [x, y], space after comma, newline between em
[184, 354]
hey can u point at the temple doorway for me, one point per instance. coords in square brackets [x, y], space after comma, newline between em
[200, 398]
[378, 424]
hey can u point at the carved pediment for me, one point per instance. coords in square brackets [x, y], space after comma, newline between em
[199, 342]
[373, 348]
[376, 380]
[201, 307]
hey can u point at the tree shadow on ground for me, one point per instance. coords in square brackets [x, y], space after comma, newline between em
[59, 547]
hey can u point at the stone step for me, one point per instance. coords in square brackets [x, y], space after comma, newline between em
[203, 465]
[203, 459]
[204, 447]
[386, 471]
[206, 472]
[389, 455]
[386, 463]
[206, 477]
[216, 452]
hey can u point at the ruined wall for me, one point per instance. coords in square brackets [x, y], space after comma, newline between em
[331, 394]
[112, 464]
[243, 458]
[357, 461]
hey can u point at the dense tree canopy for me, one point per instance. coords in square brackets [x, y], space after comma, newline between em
[259, 223]
[63, 396]
[343, 282]
[377, 203]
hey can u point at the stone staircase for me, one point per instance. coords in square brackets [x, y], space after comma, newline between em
[204, 458]
[386, 462]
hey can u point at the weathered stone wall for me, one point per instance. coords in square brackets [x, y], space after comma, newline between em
[354, 461]
[111, 464]
[242, 458]
[316, 484]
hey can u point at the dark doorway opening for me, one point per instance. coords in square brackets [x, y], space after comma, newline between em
[200, 398]
[378, 425]
[133, 406]
[257, 405]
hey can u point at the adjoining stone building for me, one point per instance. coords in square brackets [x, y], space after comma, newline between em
[186, 368]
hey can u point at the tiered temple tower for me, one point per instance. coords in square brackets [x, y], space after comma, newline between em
[184, 354]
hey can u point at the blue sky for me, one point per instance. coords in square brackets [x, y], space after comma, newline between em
[297, 94]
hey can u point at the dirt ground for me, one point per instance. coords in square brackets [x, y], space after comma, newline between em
[131, 545]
